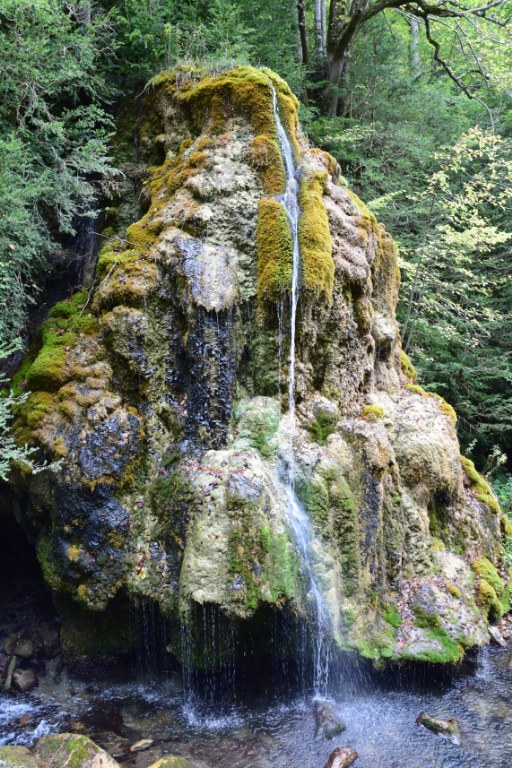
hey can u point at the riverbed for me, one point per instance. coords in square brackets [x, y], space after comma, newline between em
[259, 732]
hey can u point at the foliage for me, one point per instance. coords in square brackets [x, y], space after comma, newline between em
[10, 451]
[54, 132]
[448, 210]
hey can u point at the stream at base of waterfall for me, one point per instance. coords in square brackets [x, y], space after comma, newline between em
[278, 731]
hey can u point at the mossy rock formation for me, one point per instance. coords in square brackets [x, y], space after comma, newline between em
[161, 393]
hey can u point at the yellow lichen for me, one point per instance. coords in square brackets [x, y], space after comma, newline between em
[444, 407]
[243, 91]
[315, 237]
[369, 221]
[275, 250]
[373, 412]
[74, 552]
[35, 408]
[265, 157]
[479, 486]
[407, 367]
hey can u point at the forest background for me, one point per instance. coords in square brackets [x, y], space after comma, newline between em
[414, 100]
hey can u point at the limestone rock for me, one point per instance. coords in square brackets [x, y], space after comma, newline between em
[24, 679]
[328, 722]
[65, 749]
[18, 757]
[447, 728]
[164, 398]
[341, 757]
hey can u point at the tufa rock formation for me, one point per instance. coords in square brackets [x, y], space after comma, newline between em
[162, 393]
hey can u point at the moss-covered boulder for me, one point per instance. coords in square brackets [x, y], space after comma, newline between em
[162, 395]
[64, 750]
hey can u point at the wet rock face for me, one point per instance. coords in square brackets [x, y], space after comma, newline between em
[163, 396]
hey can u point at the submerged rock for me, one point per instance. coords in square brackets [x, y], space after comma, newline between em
[173, 761]
[341, 757]
[162, 395]
[141, 746]
[328, 722]
[447, 728]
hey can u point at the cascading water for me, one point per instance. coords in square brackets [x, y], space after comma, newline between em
[299, 520]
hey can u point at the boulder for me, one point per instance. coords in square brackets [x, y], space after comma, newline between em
[172, 761]
[497, 637]
[328, 722]
[162, 395]
[447, 728]
[25, 679]
[70, 749]
[49, 637]
[341, 757]
[18, 757]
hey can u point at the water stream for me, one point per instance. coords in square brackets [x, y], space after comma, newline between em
[299, 520]
[267, 731]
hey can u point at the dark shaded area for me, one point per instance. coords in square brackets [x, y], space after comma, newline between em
[24, 598]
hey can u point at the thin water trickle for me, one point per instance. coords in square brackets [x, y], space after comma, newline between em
[299, 520]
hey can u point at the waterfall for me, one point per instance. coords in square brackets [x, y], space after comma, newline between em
[299, 520]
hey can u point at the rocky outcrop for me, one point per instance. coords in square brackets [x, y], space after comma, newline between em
[162, 394]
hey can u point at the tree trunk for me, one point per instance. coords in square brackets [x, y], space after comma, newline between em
[343, 24]
[336, 69]
[303, 32]
[324, 26]
[320, 28]
[414, 41]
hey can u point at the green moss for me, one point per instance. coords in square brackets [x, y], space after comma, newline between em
[243, 91]
[491, 592]
[391, 614]
[256, 425]
[479, 486]
[407, 367]
[489, 600]
[66, 321]
[368, 218]
[315, 237]
[438, 545]
[331, 504]
[424, 619]
[17, 757]
[506, 526]
[381, 646]
[265, 157]
[35, 409]
[373, 412]
[314, 494]
[247, 567]
[452, 589]
[47, 560]
[447, 650]
[322, 427]
[281, 567]
[275, 250]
